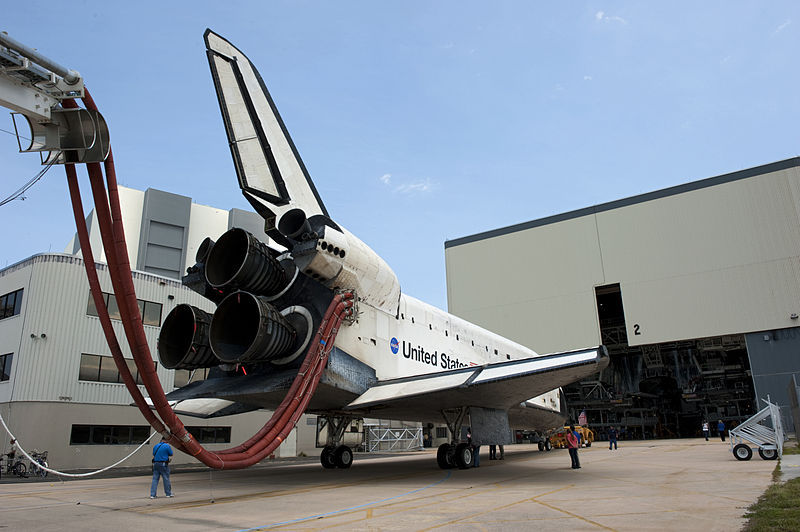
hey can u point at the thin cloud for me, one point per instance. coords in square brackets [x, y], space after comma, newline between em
[782, 26]
[416, 187]
[601, 16]
[587, 78]
[410, 187]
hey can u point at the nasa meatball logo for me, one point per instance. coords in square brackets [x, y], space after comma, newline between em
[395, 345]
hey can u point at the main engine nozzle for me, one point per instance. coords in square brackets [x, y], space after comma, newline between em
[183, 340]
[239, 260]
[246, 328]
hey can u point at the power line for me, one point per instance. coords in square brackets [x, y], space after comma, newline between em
[14, 134]
[20, 191]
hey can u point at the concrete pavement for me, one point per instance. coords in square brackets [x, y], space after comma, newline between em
[645, 485]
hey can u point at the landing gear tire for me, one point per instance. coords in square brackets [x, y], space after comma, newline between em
[463, 457]
[444, 456]
[343, 457]
[541, 446]
[768, 454]
[326, 457]
[547, 445]
[743, 452]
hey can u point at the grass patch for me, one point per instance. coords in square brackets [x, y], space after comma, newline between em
[778, 509]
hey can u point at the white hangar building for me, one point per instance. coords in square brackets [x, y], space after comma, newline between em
[694, 289]
[60, 390]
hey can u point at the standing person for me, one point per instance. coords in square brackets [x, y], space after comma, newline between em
[612, 438]
[705, 429]
[502, 452]
[492, 452]
[161, 454]
[721, 429]
[572, 446]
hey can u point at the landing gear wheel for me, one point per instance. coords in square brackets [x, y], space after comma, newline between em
[768, 454]
[444, 456]
[326, 457]
[547, 445]
[541, 446]
[343, 457]
[743, 452]
[463, 457]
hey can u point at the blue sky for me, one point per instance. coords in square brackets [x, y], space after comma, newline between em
[424, 121]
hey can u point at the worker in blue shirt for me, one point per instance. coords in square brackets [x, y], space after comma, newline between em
[161, 455]
[612, 438]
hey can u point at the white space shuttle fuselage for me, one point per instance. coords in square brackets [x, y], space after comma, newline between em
[396, 358]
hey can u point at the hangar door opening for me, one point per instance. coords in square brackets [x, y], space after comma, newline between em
[662, 390]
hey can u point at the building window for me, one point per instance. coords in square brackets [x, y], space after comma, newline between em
[185, 376]
[441, 432]
[109, 434]
[5, 366]
[210, 434]
[10, 304]
[98, 368]
[149, 310]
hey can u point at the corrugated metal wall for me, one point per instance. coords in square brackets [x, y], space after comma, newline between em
[57, 299]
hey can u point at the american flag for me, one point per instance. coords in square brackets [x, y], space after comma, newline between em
[582, 418]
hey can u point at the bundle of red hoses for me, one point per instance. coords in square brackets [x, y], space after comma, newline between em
[283, 420]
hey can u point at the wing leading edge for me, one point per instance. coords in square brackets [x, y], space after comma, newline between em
[501, 386]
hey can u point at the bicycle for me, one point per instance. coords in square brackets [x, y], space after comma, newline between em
[15, 466]
[39, 459]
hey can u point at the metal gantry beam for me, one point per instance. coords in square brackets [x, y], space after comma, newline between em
[34, 86]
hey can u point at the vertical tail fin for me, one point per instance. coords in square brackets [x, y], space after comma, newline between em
[271, 174]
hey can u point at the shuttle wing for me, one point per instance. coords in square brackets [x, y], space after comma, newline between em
[271, 174]
[503, 386]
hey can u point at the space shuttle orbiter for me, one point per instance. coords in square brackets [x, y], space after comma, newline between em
[397, 358]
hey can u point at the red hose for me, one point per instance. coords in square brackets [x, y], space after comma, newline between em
[99, 303]
[112, 233]
[306, 382]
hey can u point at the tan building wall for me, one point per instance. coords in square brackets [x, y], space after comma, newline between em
[709, 258]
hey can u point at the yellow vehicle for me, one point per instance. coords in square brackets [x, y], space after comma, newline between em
[559, 439]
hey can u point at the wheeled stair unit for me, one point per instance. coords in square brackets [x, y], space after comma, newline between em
[766, 437]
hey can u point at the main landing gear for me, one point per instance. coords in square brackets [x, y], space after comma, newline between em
[335, 454]
[340, 456]
[458, 455]
[455, 454]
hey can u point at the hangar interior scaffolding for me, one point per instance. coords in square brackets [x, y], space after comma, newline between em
[662, 390]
